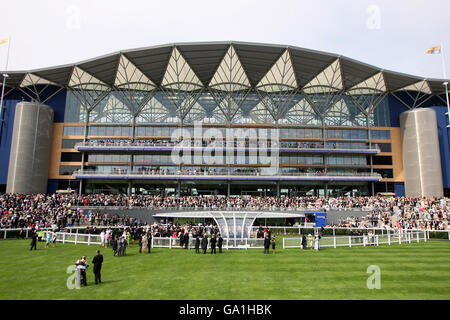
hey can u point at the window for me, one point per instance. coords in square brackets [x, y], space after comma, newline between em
[384, 147]
[70, 143]
[67, 170]
[382, 160]
[381, 134]
[73, 131]
[70, 156]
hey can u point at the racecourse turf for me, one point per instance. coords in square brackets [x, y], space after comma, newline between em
[408, 271]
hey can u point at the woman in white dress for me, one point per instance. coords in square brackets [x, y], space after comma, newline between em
[316, 242]
[144, 243]
[102, 238]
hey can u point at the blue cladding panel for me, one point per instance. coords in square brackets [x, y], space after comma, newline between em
[6, 138]
[444, 146]
[52, 185]
[58, 104]
[399, 189]
[395, 108]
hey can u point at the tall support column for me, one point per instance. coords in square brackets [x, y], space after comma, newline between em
[179, 188]
[421, 155]
[129, 188]
[326, 189]
[278, 188]
[228, 188]
[85, 136]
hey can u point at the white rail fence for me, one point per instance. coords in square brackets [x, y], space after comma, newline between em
[366, 240]
[159, 242]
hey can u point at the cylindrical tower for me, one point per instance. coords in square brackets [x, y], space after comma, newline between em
[421, 155]
[30, 148]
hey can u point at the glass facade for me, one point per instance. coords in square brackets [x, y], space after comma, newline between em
[322, 114]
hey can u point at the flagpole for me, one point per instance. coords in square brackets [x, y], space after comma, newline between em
[5, 75]
[445, 83]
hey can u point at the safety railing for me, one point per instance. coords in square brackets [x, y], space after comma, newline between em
[402, 236]
[78, 238]
[124, 172]
[228, 243]
[287, 146]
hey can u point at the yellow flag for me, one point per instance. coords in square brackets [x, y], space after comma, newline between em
[3, 41]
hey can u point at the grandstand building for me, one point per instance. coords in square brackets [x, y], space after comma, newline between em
[330, 125]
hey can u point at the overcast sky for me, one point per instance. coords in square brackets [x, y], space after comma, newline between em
[389, 34]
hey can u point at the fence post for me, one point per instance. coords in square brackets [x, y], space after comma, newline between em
[89, 239]
[283, 242]
[400, 238]
[364, 240]
[26, 235]
[4, 237]
[334, 242]
[376, 237]
[448, 235]
[425, 236]
[151, 243]
[418, 240]
[350, 241]
[64, 238]
[170, 243]
[76, 237]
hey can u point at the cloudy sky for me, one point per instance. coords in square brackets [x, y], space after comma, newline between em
[389, 34]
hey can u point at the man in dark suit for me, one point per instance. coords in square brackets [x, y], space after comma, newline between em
[97, 262]
[219, 243]
[205, 243]
[197, 244]
[266, 244]
[34, 238]
[186, 239]
[213, 244]
[304, 242]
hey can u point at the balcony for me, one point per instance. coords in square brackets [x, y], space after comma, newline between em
[223, 175]
[297, 147]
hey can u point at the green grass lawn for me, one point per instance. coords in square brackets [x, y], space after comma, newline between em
[408, 271]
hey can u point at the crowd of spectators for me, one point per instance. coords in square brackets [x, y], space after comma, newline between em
[61, 210]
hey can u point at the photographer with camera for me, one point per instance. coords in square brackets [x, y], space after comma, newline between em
[82, 264]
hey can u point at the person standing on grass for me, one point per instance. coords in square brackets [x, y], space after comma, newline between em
[205, 243]
[197, 244]
[149, 241]
[186, 239]
[266, 244]
[102, 239]
[97, 262]
[144, 242]
[310, 241]
[81, 266]
[213, 244]
[219, 243]
[317, 242]
[34, 239]
[273, 245]
[304, 242]
[53, 239]
[48, 239]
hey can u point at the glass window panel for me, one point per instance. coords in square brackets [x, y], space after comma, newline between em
[284, 133]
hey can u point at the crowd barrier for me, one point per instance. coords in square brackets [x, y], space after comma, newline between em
[365, 240]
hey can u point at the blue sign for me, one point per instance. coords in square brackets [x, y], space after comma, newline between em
[321, 219]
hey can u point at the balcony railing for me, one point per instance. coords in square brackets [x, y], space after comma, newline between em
[137, 174]
[315, 147]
